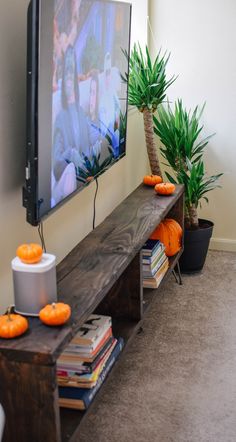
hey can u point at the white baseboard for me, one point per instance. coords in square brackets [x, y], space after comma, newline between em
[228, 245]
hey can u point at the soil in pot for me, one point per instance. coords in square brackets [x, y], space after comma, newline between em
[196, 243]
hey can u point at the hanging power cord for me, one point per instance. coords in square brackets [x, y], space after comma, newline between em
[41, 236]
[94, 204]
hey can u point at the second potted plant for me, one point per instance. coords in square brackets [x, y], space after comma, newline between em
[179, 132]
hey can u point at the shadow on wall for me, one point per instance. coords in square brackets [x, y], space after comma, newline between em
[13, 40]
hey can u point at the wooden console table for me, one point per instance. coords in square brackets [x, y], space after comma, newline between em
[102, 273]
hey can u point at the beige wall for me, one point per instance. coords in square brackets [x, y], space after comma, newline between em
[68, 225]
[201, 38]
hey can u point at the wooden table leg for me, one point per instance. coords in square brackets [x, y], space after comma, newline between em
[29, 397]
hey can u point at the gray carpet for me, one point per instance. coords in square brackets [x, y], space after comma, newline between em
[176, 381]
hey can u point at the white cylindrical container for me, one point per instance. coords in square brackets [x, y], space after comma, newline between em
[34, 284]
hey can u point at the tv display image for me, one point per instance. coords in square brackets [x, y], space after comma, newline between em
[77, 101]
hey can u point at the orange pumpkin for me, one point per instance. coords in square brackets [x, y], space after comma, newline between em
[12, 325]
[164, 188]
[169, 232]
[29, 253]
[152, 180]
[55, 313]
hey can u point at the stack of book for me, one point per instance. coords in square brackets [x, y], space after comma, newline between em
[86, 361]
[155, 263]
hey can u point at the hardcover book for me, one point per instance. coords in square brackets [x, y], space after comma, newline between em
[149, 259]
[150, 247]
[154, 282]
[80, 398]
[70, 368]
[89, 348]
[86, 380]
[92, 329]
[71, 354]
[150, 270]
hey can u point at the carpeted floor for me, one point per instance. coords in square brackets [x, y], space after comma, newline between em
[177, 380]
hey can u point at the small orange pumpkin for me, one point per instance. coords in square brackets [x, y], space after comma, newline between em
[12, 325]
[152, 180]
[29, 253]
[169, 232]
[164, 188]
[56, 313]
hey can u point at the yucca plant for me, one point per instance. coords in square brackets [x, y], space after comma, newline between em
[147, 85]
[179, 132]
[197, 184]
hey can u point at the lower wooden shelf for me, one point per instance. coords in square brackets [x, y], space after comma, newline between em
[127, 329]
[71, 419]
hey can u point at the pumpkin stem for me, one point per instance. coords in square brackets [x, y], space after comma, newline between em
[53, 305]
[9, 313]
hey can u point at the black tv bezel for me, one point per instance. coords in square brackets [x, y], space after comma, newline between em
[30, 195]
[30, 190]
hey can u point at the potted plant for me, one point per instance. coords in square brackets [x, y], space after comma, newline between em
[147, 90]
[179, 132]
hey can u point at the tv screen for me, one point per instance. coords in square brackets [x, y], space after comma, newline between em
[77, 101]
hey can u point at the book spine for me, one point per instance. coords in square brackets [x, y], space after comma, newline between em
[156, 262]
[154, 282]
[152, 272]
[148, 259]
[91, 393]
[150, 252]
[151, 244]
[93, 365]
[74, 353]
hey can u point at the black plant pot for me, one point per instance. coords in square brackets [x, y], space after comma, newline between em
[196, 243]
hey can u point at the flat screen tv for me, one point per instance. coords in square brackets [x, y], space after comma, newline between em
[76, 99]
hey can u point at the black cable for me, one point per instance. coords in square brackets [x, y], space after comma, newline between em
[41, 236]
[44, 245]
[94, 204]
[39, 232]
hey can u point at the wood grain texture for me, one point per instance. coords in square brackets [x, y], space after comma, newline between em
[125, 299]
[92, 268]
[30, 399]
